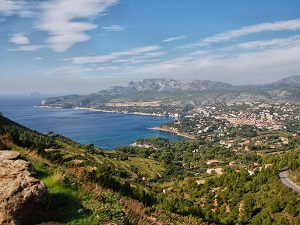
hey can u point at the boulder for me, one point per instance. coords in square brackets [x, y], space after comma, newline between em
[22, 197]
[9, 155]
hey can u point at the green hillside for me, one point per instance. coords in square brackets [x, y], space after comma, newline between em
[160, 182]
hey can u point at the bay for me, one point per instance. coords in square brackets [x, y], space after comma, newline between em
[104, 130]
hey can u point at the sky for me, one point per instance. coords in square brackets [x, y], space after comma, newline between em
[59, 47]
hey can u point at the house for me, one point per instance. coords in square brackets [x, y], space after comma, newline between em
[251, 172]
[219, 171]
[228, 144]
[268, 165]
[258, 143]
[284, 140]
[200, 182]
[247, 142]
[213, 162]
[231, 163]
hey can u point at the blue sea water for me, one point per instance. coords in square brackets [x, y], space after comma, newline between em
[104, 130]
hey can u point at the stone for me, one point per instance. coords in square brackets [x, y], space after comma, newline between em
[6, 154]
[22, 197]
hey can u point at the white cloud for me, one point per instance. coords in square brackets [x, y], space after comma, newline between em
[27, 48]
[287, 25]
[19, 39]
[199, 52]
[175, 38]
[114, 28]
[58, 17]
[23, 8]
[93, 59]
[136, 51]
[116, 55]
[73, 69]
[9, 7]
[280, 42]
[291, 25]
[261, 66]
[153, 54]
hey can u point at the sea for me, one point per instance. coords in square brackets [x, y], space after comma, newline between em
[103, 129]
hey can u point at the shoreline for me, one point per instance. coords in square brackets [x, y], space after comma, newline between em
[47, 107]
[114, 111]
[172, 131]
[109, 111]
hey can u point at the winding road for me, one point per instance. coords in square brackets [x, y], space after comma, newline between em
[287, 182]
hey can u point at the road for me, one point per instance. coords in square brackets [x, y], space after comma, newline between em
[286, 181]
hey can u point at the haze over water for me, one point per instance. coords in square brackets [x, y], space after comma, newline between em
[104, 130]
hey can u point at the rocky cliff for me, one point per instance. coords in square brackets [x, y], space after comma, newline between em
[22, 197]
[160, 85]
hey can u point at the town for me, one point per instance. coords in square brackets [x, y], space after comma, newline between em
[252, 121]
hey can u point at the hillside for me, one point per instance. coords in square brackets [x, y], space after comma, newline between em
[173, 97]
[159, 181]
[88, 185]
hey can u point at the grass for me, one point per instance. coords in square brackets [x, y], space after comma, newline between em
[74, 205]
[68, 194]
[147, 167]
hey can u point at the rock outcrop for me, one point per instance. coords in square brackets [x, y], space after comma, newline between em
[22, 197]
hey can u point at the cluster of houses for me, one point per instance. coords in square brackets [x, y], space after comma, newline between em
[244, 143]
[264, 116]
[219, 170]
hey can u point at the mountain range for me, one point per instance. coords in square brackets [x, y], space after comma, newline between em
[179, 94]
[168, 85]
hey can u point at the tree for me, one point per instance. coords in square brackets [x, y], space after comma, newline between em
[90, 148]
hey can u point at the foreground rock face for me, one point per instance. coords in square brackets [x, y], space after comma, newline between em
[22, 197]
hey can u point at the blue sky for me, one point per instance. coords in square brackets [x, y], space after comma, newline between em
[82, 46]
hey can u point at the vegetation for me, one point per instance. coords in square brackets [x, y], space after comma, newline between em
[204, 180]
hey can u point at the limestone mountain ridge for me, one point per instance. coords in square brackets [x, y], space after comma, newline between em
[166, 95]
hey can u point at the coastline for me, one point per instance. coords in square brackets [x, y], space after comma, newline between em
[114, 111]
[172, 131]
[47, 107]
[109, 111]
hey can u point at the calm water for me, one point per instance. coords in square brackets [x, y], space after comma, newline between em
[105, 130]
